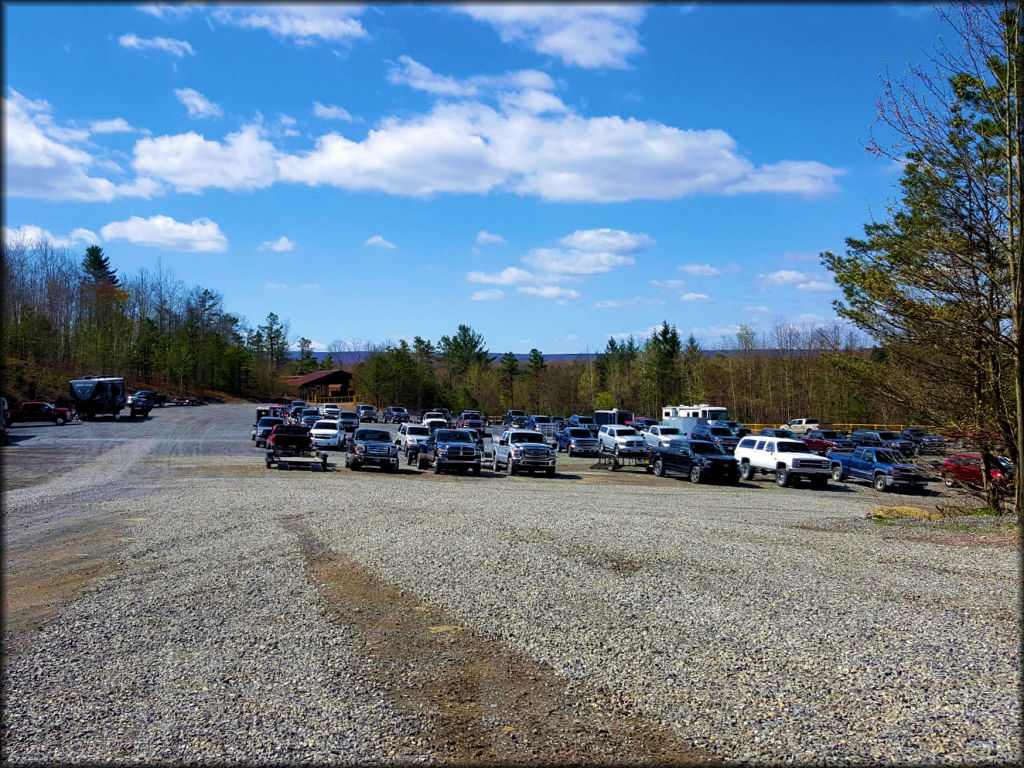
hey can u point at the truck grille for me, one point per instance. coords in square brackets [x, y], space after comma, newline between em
[377, 450]
[536, 453]
[458, 452]
[810, 464]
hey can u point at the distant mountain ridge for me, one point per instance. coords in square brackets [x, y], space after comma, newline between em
[353, 357]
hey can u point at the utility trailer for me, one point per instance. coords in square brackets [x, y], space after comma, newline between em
[611, 462]
[314, 460]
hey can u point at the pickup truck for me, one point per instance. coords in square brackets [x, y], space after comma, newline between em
[696, 459]
[370, 446]
[521, 450]
[447, 449]
[289, 440]
[37, 411]
[575, 440]
[470, 420]
[824, 440]
[543, 424]
[510, 415]
[883, 467]
[801, 426]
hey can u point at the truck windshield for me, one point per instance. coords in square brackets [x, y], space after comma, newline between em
[417, 431]
[578, 432]
[890, 457]
[721, 431]
[788, 446]
[269, 421]
[888, 436]
[349, 415]
[541, 419]
[668, 431]
[831, 434]
[453, 436]
[626, 432]
[584, 420]
[698, 446]
[526, 437]
[371, 435]
[326, 425]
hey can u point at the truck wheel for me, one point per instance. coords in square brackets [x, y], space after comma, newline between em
[346, 461]
[510, 468]
[59, 420]
[879, 483]
[695, 474]
[781, 478]
[422, 462]
[437, 467]
[355, 466]
[658, 468]
[323, 463]
[837, 472]
[269, 464]
[746, 471]
[948, 480]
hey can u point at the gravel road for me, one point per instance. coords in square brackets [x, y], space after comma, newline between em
[236, 614]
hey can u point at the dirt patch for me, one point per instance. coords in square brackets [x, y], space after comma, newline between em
[41, 577]
[485, 704]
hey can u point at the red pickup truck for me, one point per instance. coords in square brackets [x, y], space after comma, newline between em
[37, 411]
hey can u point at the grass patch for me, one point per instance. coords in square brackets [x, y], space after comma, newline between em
[882, 521]
[983, 511]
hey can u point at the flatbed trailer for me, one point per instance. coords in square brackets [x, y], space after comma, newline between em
[611, 462]
[314, 460]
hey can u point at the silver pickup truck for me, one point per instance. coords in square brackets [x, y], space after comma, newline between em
[523, 450]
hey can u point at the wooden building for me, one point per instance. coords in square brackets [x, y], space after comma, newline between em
[323, 386]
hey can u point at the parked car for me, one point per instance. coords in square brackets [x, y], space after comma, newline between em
[394, 414]
[579, 420]
[330, 410]
[783, 457]
[523, 450]
[542, 423]
[371, 447]
[923, 440]
[470, 419]
[289, 439]
[349, 420]
[620, 440]
[966, 468]
[824, 440]
[296, 404]
[641, 423]
[886, 438]
[434, 414]
[660, 436]
[447, 449]
[263, 429]
[368, 414]
[33, 410]
[309, 417]
[723, 437]
[575, 440]
[435, 424]
[511, 414]
[801, 426]
[328, 433]
[734, 426]
[410, 434]
[158, 399]
[698, 460]
[778, 432]
[884, 468]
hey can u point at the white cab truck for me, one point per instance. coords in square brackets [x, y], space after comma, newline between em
[801, 426]
[787, 459]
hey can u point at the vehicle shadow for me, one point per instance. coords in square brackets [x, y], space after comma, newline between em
[13, 439]
[41, 424]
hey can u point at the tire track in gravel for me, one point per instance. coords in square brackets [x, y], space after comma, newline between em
[486, 705]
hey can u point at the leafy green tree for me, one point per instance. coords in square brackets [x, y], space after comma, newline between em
[462, 350]
[275, 340]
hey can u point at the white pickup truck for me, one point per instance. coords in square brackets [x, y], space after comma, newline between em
[786, 459]
[801, 426]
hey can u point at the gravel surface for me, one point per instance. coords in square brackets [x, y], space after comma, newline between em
[754, 623]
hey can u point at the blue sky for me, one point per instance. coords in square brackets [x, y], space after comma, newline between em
[550, 175]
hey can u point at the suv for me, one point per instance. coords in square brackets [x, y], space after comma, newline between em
[523, 449]
[966, 468]
[394, 414]
[447, 449]
[620, 440]
[697, 459]
[331, 410]
[660, 436]
[348, 420]
[367, 413]
[885, 438]
[263, 428]
[371, 446]
[411, 434]
[575, 440]
[723, 437]
[923, 440]
[786, 459]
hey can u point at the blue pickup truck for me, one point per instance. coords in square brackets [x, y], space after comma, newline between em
[700, 460]
[884, 468]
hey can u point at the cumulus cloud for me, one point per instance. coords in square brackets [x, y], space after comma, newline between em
[701, 298]
[784, 277]
[41, 161]
[582, 35]
[177, 48]
[607, 240]
[280, 245]
[30, 233]
[548, 291]
[302, 23]
[575, 262]
[380, 242]
[243, 161]
[801, 280]
[419, 76]
[700, 270]
[672, 285]
[197, 104]
[117, 125]
[331, 112]
[608, 304]
[163, 232]
[488, 294]
[816, 286]
[486, 238]
[169, 10]
[756, 309]
[507, 276]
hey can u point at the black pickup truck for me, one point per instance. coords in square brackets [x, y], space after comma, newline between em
[371, 447]
[699, 460]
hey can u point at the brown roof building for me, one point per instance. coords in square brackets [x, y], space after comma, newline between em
[323, 385]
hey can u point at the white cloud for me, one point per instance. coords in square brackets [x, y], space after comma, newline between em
[639, 335]
[281, 244]
[583, 35]
[576, 262]
[786, 176]
[572, 337]
[169, 10]
[700, 270]
[163, 232]
[607, 240]
[784, 277]
[816, 286]
[673, 285]
[608, 304]
[548, 291]
[380, 242]
[701, 298]
[302, 23]
[311, 287]
[177, 48]
[117, 125]
[29, 233]
[810, 318]
[715, 330]
[486, 238]
[244, 161]
[757, 309]
[331, 112]
[507, 276]
[419, 76]
[277, 286]
[41, 163]
[197, 104]
[488, 294]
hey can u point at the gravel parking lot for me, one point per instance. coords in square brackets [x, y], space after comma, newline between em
[168, 599]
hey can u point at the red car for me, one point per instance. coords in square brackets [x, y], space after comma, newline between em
[37, 411]
[966, 468]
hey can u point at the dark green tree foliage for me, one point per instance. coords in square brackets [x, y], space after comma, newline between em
[461, 350]
[509, 371]
[97, 266]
